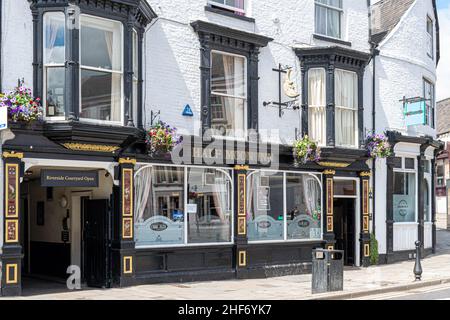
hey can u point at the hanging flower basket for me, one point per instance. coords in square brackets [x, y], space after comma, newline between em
[306, 150]
[22, 106]
[377, 146]
[161, 139]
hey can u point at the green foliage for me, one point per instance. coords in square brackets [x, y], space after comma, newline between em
[306, 150]
[374, 256]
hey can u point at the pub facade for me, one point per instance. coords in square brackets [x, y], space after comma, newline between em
[240, 81]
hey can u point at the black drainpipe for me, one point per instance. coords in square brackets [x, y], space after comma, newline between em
[375, 52]
[1, 47]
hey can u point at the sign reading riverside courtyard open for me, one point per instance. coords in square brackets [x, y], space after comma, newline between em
[69, 178]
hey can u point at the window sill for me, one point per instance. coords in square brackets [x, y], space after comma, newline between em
[229, 14]
[330, 39]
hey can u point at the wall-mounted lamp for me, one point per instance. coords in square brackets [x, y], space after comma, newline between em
[63, 201]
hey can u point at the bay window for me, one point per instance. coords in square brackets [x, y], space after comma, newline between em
[228, 94]
[283, 206]
[182, 206]
[54, 64]
[317, 103]
[346, 99]
[101, 74]
[328, 17]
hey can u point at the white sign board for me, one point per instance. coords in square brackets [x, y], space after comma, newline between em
[3, 118]
[192, 208]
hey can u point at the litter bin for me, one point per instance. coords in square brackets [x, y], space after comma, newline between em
[327, 270]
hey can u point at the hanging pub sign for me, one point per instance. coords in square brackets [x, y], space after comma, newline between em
[69, 178]
[414, 110]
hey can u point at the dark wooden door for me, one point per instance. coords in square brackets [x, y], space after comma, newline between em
[344, 228]
[96, 243]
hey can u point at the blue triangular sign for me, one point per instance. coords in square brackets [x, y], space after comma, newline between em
[188, 111]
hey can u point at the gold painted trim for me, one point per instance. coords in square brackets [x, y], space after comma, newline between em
[366, 224]
[334, 164]
[329, 172]
[128, 260]
[366, 250]
[130, 236]
[8, 273]
[239, 167]
[127, 161]
[242, 258]
[365, 174]
[16, 232]
[131, 192]
[330, 197]
[7, 166]
[13, 154]
[330, 224]
[242, 210]
[242, 226]
[90, 147]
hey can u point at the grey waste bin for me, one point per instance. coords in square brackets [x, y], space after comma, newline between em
[327, 270]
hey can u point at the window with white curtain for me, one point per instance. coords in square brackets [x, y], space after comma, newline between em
[228, 94]
[54, 60]
[284, 206]
[317, 105]
[346, 113]
[101, 71]
[235, 6]
[430, 37]
[182, 205]
[428, 88]
[328, 18]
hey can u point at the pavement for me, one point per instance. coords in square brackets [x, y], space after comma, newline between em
[358, 283]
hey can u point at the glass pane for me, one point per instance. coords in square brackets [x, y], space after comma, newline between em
[55, 80]
[404, 197]
[345, 188]
[101, 43]
[228, 116]
[235, 3]
[209, 209]
[101, 95]
[397, 162]
[316, 102]
[159, 206]
[265, 220]
[304, 213]
[427, 166]
[135, 55]
[54, 38]
[426, 200]
[346, 96]
[321, 20]
[410, 163]
[228, 75]
[333, 23]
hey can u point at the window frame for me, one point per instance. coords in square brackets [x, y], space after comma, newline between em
[320, 143]
[430, 106]
[427, 176]
[46, 66]
[340, 10]
[430, 37]
[319, 178]
[185, 243]
[245, 100]
[416, 195]
[354, 110]
[228, 7]
[112, 72]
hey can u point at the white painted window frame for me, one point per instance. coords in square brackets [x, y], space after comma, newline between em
[341, 16]
[228, 7]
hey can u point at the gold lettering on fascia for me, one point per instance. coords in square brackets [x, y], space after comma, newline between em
[68, 178]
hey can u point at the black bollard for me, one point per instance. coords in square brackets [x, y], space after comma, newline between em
[418, 266]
